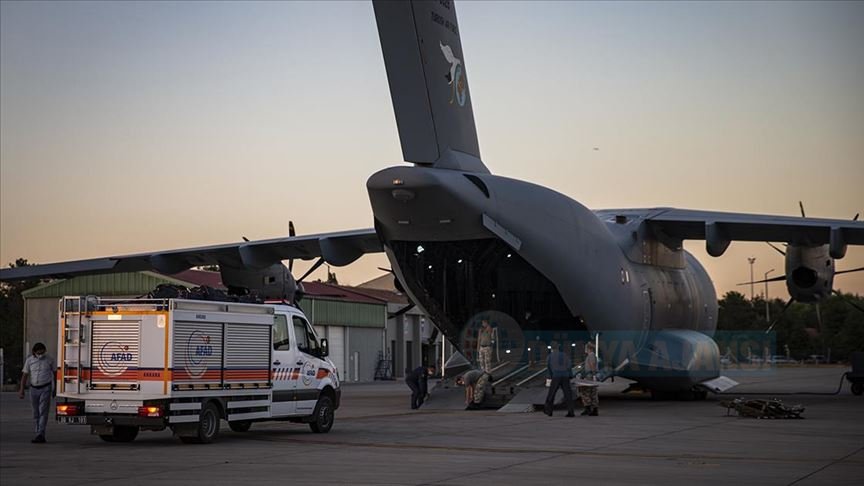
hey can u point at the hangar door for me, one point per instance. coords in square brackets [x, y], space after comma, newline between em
[336, 342]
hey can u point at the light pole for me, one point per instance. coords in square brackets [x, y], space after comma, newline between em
[767, 308]
[752, 260]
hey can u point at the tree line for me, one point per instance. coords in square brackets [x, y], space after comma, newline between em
[838, 333]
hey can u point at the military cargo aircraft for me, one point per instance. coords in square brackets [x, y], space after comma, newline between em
[466, 244]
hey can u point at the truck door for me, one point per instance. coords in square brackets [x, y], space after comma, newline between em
[283, 368]
[307, 359]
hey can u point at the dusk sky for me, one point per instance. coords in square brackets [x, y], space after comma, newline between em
[129, 127]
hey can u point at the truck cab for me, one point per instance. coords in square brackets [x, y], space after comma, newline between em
[305, 381]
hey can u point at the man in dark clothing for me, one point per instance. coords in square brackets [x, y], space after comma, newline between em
[559, 367]
[417, 381]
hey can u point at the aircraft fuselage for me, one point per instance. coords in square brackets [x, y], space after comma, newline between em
[469, 246]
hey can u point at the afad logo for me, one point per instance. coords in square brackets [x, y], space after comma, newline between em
[198, 349]
[455, 76]
[308, 372]
[114, 358]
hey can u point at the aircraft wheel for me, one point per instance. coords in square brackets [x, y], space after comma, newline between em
[857, 388]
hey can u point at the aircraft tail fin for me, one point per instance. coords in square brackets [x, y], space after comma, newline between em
[428, 83]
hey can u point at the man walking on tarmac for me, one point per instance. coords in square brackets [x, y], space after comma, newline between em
[559, 367]
[39, 372]
[417, 381]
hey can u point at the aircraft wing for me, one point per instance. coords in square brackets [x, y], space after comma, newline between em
[339, 248]
[719, 228]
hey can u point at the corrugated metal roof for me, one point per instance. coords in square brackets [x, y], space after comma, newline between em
[132, 283]
[337, 292]
[390, 296]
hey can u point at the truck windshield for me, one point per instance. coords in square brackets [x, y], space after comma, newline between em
[306, 340]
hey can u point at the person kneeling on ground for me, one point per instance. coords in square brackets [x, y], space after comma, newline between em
[417, 381]
[474, 382]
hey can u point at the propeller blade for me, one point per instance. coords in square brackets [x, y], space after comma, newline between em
[292, 234]
[401, 311]
[401, 290]
[801, 205]
[778, 249]
[772, 279]
[856, 217]
[314, 267]
[844, 299]
[849, 271]
[779, 316]
[244, 238]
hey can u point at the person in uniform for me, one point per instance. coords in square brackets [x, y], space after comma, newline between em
[38, 371]
[588, 394]
[474, 382]
[417, 381]
[560, 367]
[484, 346]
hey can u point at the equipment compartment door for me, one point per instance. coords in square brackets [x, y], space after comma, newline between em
[115, 347]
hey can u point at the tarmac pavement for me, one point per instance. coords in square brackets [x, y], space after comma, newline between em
[377, 440]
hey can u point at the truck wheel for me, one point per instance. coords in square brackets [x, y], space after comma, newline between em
[121, 434]
[857, 388]
[240, 425]
[208, 426]
[322, 419]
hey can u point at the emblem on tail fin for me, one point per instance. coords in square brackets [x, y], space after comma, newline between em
[455, 79]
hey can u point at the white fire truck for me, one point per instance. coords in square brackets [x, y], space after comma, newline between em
[152, 364]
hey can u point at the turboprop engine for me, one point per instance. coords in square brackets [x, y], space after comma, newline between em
[809, 272]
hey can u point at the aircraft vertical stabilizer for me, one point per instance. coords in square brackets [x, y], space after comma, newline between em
[428, 83]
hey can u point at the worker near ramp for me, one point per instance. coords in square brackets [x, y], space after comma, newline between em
[484, 346]
[475, 382]
[588, 394]
[560, 367]
[417, 381]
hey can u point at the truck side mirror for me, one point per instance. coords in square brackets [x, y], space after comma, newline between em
[325, 351]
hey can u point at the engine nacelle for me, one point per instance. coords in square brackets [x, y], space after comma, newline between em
[271, 283]
[809, 272]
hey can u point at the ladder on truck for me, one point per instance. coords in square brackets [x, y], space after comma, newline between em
[73, 311]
